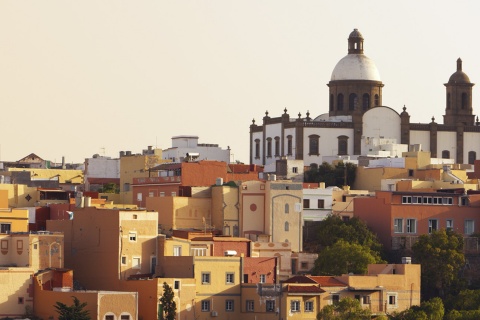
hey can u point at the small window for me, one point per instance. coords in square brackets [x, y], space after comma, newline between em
[306, 203]
[321, 203]
[406, 199]
[132, 236]
[124, 260]
[270, 305]
[177, 251]
[110, 317]
[135, 217]
[411, 226]
[277, 146]
[392, 299]
[304, 265]
[230, 278]
[257, 148]
[162, 194]
[309, 306]
[398, 225]
[205, 305]
[335, 298]
[205, 277]
[176, 284]
[366, 299]
[139, 196]
[263, 278]
[432, 225]
[250, 306]
[269, 147]
[287, 208]
[410, 172]
[174, 194]
[289, 145]
[287, 226]
[21, 300]
[126, 187]
[125, 317]
[313, 144]
[136, 263]
[295, 306]
[469, 227]
[229, 305]
[5, 227]
[449, 225]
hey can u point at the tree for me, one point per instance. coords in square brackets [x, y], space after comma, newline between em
[441, 257]
[168, 304]
[428, 310]
[345, 309]
[339, 175]
[344, 257]
[73, 312]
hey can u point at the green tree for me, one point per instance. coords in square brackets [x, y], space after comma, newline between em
[74, 312]
[339, 175]
[345, 309]
[429, 310]
[441, 257]
[110, 188]
[168, 304]
[344, 257]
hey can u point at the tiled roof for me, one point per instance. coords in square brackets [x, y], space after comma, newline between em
[327, 281]
[300, 279]
[304, 289]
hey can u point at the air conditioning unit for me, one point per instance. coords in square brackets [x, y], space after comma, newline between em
[214, 314]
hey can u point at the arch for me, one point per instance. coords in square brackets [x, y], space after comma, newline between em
[445, 154]
[472, 156]
[342, 145]
[289, 145]
[287, 226]
[313, 141]
[352, 101]
[377, 100]
[365, 101]
[340, 102]
[277, 146]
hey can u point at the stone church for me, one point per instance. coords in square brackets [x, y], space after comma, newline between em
[357, 122]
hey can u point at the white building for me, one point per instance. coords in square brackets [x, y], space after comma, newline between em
[187, 148]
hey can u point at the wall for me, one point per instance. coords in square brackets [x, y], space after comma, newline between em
[16, 292]
[225, 209]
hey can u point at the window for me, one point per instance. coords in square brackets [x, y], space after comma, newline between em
[352, 101]
[287, 226]
[294, 169]
[306, 203]
[313, 141]
[472, 156]
[205, 305]
[309, 306]
[270, 305]
[295, 306]
[287, 208]
[151, 194]
[263, 278]
[289, 145]
[392, 299]
[321, 204]
[139, 196]
[205, 277]
[366, 101]
[342, 145]
[125, 317]
[132, 236]
[124, 260]
[174, 194]
[406, 199]
[366, 299]
[230, 278]
[469, 227]
[162, 194]
[269, 147]
[136, 263]
[377, 100]
[176, 284]
[449, 225]
[177, 251]
[5, 227]
[398, 225]
[410, 172]
[335, 298]
[332, 103]
[445, 154]
[257, 148]
[432, 225]
[250, 305]
[126, 187]
[199, 252]
[20, 300]
[447, 200]
[464, 100]
[340, 102]
[411, 226]
[110, 317]
[229, 305]
[277, 146]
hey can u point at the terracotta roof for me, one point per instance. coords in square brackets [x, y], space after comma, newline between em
[300, 279]
[327, 281]
[304, 289]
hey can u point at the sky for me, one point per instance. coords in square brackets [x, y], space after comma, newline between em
[79, 78]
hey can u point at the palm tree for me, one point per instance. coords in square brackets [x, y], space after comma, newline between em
[73, 312]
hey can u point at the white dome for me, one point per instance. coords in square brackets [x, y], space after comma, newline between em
[355, 67]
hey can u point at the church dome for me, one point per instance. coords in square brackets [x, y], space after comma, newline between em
[459, 76]
[355, 67]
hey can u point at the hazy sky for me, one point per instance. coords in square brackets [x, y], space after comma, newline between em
[80, 76]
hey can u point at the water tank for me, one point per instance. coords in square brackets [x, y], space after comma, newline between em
[122, 154]
[219, 182]
[128, 153]
[406, 260]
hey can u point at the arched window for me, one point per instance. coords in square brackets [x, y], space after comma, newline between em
[342, 145]
[340, 102]
[366, 101]
[289, 145]
[472, 156]
[287, 226]
[277, 146]
[331, 102]
[257, 148]
[352, 101]
[445, 154]
[448, 100]
[377, 100]
[313, 144]
[464, 100]
[287, 208]
[269, 147]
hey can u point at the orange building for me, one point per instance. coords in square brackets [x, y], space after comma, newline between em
[398, 218]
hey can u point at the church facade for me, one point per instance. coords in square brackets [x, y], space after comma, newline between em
[356, 120]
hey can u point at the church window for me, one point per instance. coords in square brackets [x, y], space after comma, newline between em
[464, 100]
[287, 226]
[342, 145]
[257, 148]
[472, 156]
[331, 102]
[289, 145]
[445, 154]
[366, 101]
[448, 100]
[352, 101]
[340, 102]
[269, 147]
[277, 146]
[313, 144]
[377, 100]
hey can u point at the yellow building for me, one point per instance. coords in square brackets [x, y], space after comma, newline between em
[13, 220]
